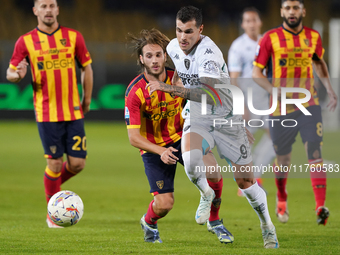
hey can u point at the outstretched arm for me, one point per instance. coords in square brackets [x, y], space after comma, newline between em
[194, 94]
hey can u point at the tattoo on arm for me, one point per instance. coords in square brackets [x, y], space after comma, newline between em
[193, 94]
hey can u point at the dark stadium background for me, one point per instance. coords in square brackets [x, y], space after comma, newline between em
[105, 25]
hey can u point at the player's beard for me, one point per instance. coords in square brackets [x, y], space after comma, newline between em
[294, 24]
[48, 22]
[149, 71]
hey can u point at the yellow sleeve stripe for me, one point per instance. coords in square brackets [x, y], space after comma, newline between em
[323, 51]
[87, 63]
[258, 64]
[133, 126]
[13, 67]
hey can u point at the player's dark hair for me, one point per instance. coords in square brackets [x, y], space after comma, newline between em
[250, 9]
[188, 13]
[282, 1]
[145, 37]
[34, 1]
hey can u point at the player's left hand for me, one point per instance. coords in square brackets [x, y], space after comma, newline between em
[85, 107]
[168, 157]
[333, 100]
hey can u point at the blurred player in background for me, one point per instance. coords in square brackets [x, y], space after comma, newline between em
[51, 50]
[200, 66]
[289, 52]
[240, 65]
[154, 124]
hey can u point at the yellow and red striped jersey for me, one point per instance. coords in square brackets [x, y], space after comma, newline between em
[288, 57]
[158, 116]
[52, 60]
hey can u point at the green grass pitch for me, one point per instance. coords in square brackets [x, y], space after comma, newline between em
[115, 192]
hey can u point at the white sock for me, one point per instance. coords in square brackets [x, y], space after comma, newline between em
[195, 170]
[263, 154]
[258, 200]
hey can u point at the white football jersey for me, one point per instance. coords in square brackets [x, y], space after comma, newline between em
[240, 59]
[205, 60]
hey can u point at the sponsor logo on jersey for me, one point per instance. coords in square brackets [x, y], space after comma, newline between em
[211, 67]
[127, 113]
[208, 51]
[257, 50]
[176, 56]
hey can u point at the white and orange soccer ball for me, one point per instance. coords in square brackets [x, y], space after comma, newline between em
[65, 208]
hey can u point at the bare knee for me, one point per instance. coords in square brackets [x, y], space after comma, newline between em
[244, 183]
[55, 165]
[76, 164]
[283, 160]
[163, 205]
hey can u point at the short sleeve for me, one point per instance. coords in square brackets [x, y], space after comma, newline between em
[132, 111]
[211, 63]
[19, 53]
[82, 54]
[319, 50]
[263, 51]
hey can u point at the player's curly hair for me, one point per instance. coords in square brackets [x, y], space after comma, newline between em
[152, 36]
[188, 13]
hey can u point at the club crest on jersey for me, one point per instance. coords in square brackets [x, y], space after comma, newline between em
[160, 184]
[187, 63]
[307, 42]
[63, 42]
[53, 149]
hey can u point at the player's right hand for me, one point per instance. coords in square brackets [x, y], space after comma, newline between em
[22, 68]
[168, 157]
[333, 100]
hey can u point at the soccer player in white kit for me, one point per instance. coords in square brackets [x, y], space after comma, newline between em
[200, 66]
[240, 65]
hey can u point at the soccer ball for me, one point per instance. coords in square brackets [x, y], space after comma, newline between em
[65, 208]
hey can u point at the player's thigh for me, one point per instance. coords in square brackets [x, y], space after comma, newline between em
[52, 135]
[160, 176]
[232, 142]
[311, 125]
[311, 132]
[283, 137]
[196, 136]
[76, 139]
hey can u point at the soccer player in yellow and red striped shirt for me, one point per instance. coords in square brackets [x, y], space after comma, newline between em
[288, 52]
[51, 51]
